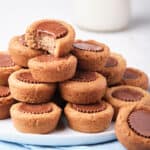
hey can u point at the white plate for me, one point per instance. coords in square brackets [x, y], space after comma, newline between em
[62, 136]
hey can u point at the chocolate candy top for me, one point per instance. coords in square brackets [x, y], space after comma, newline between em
[4, 91]
[127, 94]
[111, 62]
[53, 28]
[139, 122]
[84, 76]
[130, 74]
[26, 77]
[83, 45]
[91, 108]
[6, 61]
[35, 109]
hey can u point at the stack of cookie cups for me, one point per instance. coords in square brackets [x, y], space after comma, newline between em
[86, 111]
[49, 55]
[43, 51]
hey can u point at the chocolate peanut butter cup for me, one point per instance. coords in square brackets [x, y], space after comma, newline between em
[89, 118]
[84, 76]
[6, 102]
[4, 91]
[20, 52]
[121, 96]
[84, 45]
[132, 127]
[26, 77]
[135, 77]
[35, 109]
[111, 62]
[84, 88]
[139, 122]
[7, 66]
[48, 68]
[114, 69]
[53, 36]
[41, 118]
[91, 54]
[90, 108]
[127, 94]
[51, 28]
[25, 88]
[130, 74]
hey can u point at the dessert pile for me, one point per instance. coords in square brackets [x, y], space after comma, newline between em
[47, 72]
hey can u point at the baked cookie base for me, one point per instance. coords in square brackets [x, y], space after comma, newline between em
[83, 92]
[30, 92]
[125, 135]
[89, 122]
[117, 104]
[35, 123]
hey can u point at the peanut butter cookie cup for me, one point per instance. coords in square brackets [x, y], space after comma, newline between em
[84, 88]
[133, 127]
[6, 101]
[135, 77]
[54, 36]
[25, 88]
[19, 51]
[91, 54]
[89, 118]
[114, 69]
[47, 68]
[121, 96]
[7, 66]
[29, 118]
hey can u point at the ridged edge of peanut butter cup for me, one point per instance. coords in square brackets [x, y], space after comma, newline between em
[127, 94]
[111, 62]
[131, 74]
[4, 91]
[90, 108]
[27, 77]
[52, 27]
[84, 76]
[139, 122]
[35, 108]
[87, 46]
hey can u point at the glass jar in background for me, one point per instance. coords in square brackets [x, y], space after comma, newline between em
[101, 15]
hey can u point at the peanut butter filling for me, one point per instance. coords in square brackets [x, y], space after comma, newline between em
[131, 74]
[85, 76]
[127, 94]
[111, 62]
[90, 108]
[4, 91]
[46, 34]
[83, 45]
[35, 109]
[26, 77]
[6, 61]
[139, 122]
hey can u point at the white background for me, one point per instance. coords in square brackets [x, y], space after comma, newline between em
[133, 43]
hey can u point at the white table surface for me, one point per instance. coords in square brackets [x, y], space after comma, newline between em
[133, 43]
